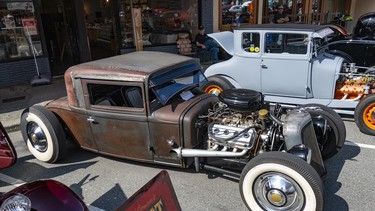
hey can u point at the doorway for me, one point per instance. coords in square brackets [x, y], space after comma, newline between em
[77, 32]
[101, 18]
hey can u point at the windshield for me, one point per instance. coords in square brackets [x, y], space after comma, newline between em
[165, 87]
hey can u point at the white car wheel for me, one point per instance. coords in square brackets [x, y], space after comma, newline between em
[280, 181]
[43, 134]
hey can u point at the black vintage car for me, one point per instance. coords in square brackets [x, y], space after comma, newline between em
[358, 48]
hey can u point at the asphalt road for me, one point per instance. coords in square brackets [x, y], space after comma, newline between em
[104, 183]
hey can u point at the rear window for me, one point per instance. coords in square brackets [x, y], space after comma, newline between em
[250, 42]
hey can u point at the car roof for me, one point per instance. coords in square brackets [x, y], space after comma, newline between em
[135, 66]
[130, 67]
[283, 27]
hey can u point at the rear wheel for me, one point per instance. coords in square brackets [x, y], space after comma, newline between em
[364, 115]
[280, 181]
[43, 134]
[329, 128]
[216, 85]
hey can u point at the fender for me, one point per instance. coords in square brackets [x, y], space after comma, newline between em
[47, 195]
[230, 80]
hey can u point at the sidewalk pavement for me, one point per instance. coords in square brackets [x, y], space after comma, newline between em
[14, 99]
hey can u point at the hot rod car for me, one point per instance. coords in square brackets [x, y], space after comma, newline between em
[287, 63]
[359, 47]
[147, 106]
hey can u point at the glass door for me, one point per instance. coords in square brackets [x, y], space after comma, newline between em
[239, 12]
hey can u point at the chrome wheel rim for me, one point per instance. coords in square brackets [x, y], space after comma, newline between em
[276, 191]
[37, 137]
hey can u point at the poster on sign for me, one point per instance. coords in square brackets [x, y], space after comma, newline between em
[29, 26]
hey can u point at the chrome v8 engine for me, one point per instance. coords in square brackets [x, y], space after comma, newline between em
[238, 122]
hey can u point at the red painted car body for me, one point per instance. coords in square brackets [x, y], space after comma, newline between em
[48, 195]
[43, 194]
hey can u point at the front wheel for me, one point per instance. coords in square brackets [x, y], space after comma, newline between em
[216, 85]
[329, 129]
[364, 115]
[43, 134]
[280, 181]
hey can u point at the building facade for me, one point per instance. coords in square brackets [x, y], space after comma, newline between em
[48, 36]
[62, 33]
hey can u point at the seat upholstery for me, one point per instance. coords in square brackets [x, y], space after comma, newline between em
[133, 96]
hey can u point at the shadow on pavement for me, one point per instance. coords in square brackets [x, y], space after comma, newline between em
[333, 202]
[34, 171]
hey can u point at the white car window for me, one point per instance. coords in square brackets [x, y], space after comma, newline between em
[250, 42]
[286, 43]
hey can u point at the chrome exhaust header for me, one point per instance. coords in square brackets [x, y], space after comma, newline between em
[183, 153]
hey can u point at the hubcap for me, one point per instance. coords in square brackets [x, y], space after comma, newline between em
[369, 116]
[276, 197]
[37, 137]
[276, 191]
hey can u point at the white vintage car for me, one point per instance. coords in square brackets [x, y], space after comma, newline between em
[287, 63]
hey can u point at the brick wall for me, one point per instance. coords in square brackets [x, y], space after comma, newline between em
[21, 72]
[206, 16]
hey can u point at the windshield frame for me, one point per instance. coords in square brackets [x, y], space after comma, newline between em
[168, 84]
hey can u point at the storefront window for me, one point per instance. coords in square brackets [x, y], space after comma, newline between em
[19, 36]
[162, 21]
[240, 12]
[337, 12]
[294, 9]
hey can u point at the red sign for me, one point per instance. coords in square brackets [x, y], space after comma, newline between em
[29, 26]
[157, 195]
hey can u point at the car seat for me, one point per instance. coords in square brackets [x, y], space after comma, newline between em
[133, 96]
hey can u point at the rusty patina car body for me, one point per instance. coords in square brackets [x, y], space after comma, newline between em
[129, 132]
[147, 106]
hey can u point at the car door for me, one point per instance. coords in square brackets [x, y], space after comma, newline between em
[285, 65]
[118, 118]
[244, 67]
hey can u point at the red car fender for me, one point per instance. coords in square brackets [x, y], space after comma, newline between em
[48, 195]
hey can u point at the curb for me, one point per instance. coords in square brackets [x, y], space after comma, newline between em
[11, 121]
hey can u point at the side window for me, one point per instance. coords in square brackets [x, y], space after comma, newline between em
[250, 42]
[286, 43]
[274, 43]
[115, 95]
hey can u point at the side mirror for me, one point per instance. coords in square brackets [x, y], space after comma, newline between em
[8, 155]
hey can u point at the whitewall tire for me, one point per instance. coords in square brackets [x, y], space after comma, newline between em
[280, 181]
[43, 134]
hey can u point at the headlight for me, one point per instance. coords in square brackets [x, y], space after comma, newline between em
[16, 202]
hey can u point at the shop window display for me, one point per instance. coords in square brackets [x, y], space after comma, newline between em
[240, 12]
[162, 21]
[19, 37]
